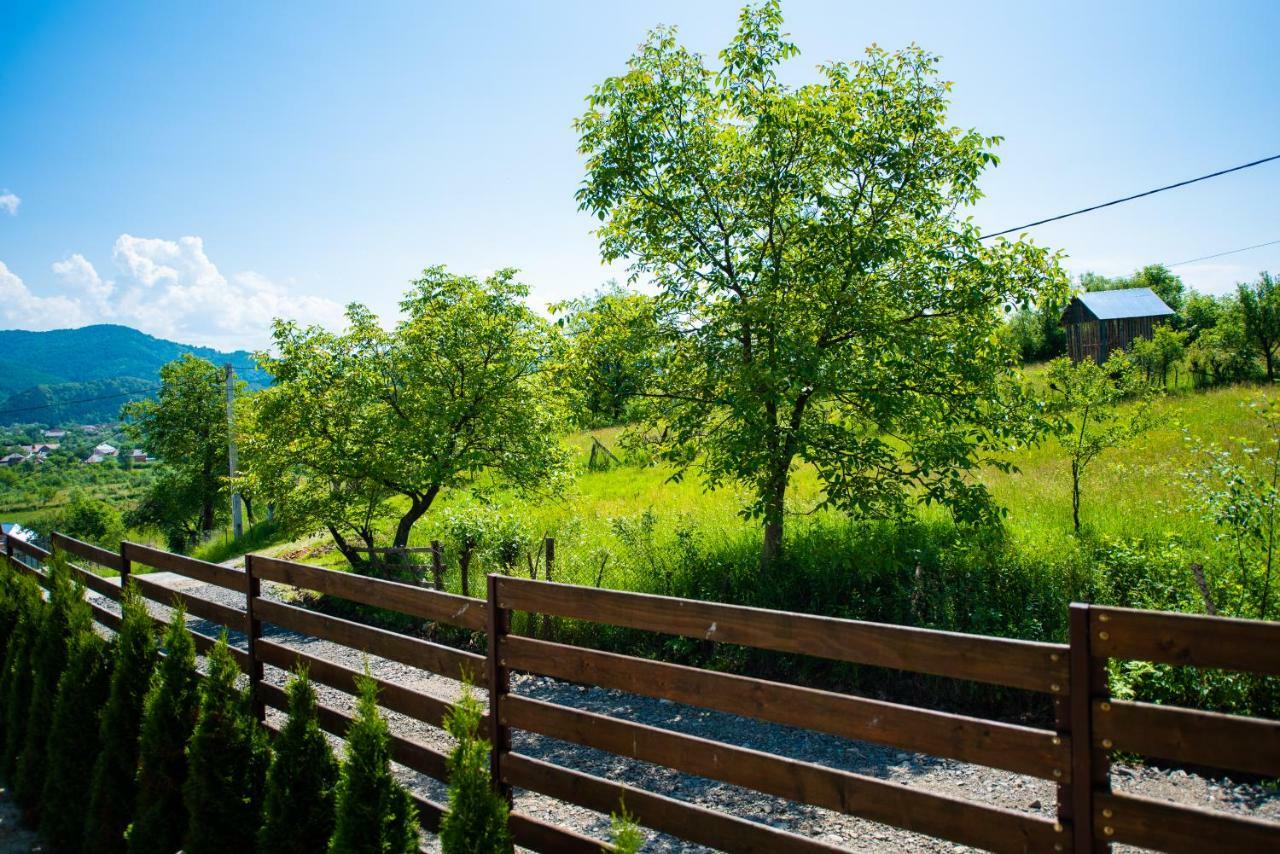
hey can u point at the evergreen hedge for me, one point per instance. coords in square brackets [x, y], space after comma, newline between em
[375, 814]
[476, 822]
[74, 736]
[18, 683]
[65, 608]
[227, 761]
[21, 604]
[168, 719]
[299, 803]
[112, 793]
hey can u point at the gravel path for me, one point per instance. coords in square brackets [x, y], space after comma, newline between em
[984, 785]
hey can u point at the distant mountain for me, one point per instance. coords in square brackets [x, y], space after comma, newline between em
[85, 375]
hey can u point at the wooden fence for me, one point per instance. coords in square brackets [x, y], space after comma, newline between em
[1075, 754]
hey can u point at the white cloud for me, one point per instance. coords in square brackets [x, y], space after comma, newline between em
[167, 288]
[20, 307]
[10, 202]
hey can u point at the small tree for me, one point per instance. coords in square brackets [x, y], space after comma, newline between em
[48, 661]
[227, 762]
[627, 836]
[1086, 414]
[298, 809]
[476, 822]
[113, 790]
[168, 719]
[375, 814]
[1260, 307]
[75, 738]
[16, 696]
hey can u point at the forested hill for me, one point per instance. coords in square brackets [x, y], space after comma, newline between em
[88, 373]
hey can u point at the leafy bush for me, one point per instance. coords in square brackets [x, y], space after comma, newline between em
[298, 807]
[168, 718]
[75, 738]
[228, 758]
[113, 791]
[476, 822]
[375, 814]
[65, 613]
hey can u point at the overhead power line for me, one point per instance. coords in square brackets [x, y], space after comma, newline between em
[1221, 254]
[81, 400]
[1134, 196]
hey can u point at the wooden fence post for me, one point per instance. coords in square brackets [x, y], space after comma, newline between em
[253, 631]
[437, 563]
[499, 685]
[126, 565]
[1090, 766]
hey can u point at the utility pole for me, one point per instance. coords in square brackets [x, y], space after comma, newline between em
[237, 523]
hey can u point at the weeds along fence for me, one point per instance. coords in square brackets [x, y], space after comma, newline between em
[1090, 726]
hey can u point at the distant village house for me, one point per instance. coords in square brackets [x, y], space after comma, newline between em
[1100, 322]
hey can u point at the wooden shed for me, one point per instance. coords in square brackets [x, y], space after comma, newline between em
[1099, 322]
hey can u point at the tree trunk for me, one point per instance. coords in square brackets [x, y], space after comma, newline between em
[417, 507]
[1271, 373]
[1075, 495]
[340, 541]
[774, 511]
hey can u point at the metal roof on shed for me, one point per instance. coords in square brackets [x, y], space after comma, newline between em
[1130, 302]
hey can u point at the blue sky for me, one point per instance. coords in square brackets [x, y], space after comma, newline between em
[193, 169]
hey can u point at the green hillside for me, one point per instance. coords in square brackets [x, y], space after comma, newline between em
[85, 374]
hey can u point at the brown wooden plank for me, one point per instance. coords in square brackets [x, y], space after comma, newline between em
[1024, 750]
[420, 602]
[87, 551]
[27, 569]
[29, 549]
[105, 617]
[429, 813]
[197, 606]
[416, 704]
[537, 835]
[204, 643]
[1015, 663]
[1186, 639]
[678, 818]
[409, 753]
[200, 570]
[1163, 826]
[96, 583]
[804, 782]
[435, 657]
[1232, 742]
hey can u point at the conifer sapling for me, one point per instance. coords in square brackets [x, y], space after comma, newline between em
[298, 806]
[476, 822]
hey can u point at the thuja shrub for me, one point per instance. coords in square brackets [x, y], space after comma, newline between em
[18, 679]
[113, 787]
[476, 822]
[297, 813]
[227, 760]
[375, 814]
[75, 737]
[627, 836]
[168, 720]
[66, 608]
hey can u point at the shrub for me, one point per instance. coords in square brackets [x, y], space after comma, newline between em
[74, 738]
[112, 793]
[626, 834]
[374, 813]
[298, 806]
[227, 760]
[168, 719]
[65, 614]
[15, 680]
[476, 822]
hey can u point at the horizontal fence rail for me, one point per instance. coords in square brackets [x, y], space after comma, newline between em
[1090, 726]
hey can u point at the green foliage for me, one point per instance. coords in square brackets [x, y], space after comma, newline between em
[375, 814]
[75, 738]
[1260, 313]
[822, 299]
[610, 353]
[298, 810]
[114, 784]
[476, 822]
[20, 649]
[90, 519]
[168, 719]
[627, 836]
[1084, 413]
[186, 426]
[65, 614]
[371, 422]
[227, 763]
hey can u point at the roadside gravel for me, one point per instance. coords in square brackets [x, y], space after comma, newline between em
[989, 786]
